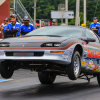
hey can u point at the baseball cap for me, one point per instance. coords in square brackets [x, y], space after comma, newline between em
[13, 15]
[95, 18]
[7, 19]
[54, 20]
[26, 18]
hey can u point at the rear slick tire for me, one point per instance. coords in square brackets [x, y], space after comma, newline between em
[46, 78]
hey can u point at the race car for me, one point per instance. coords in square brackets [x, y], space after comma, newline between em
[54, 50]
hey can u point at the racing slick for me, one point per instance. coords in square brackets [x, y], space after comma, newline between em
[13, 28]
[95, 26]
[26, 27]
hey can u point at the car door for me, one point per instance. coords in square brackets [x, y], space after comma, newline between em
[93, 51]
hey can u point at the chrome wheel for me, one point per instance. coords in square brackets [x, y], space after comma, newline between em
[76, 65]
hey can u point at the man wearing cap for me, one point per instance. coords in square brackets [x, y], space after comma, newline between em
[54, 22]
[13, 28]
[3, 27]
[26, 27]
[95, 26]
[7, 20]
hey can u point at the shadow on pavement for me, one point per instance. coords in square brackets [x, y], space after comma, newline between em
[38, 91]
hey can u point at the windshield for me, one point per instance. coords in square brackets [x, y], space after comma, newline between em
[57, 31]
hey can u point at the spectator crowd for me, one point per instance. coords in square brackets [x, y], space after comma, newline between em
[11, 27]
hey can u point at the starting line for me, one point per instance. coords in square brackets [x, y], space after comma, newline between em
[5, 80]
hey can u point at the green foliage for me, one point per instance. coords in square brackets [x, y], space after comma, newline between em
[44, 8]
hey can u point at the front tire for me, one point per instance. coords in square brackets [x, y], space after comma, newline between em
[46, 78]
[74, 68]
[6, 71]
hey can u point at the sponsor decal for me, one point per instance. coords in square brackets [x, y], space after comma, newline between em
[96, 70]
[85, 49]
[83, 59]
[84, 44]
[87, 63]
[70, 54]
[71, 48]
[65, 55]
[85, 55]
[99, 67]
[64, 58]
[92, 66]
[83, 63]
[90, 62]
[93, 54]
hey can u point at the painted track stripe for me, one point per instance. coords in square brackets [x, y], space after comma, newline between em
[5, 80]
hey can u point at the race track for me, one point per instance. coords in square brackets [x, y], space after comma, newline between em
[24, 85]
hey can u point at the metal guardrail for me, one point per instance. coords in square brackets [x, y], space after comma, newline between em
[21, 11]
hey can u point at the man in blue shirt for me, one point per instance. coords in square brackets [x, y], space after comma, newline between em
[26, 27]
[95, 26]
[13, 28]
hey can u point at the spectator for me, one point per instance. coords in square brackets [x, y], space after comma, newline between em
[87, 26]
[13, 28]
[7, 20]
[95, 26]
[26, 27]
[3, 26]
[54, 22]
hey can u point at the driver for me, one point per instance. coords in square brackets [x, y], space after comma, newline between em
[95, 26]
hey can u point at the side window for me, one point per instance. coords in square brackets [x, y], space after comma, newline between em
[91, 34]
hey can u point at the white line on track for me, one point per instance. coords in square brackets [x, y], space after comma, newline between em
[5, 80]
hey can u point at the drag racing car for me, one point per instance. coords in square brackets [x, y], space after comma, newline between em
[54, 50]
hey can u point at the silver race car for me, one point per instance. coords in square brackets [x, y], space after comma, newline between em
[56, 50]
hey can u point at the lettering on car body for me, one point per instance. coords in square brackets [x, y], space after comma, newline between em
[93, 54]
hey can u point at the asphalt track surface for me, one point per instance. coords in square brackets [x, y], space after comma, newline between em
[26, 86]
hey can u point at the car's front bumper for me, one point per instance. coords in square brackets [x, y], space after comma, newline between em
[60, 58]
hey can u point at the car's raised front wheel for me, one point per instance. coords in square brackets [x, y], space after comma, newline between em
[6, 71]
[46, 78]
[74, 68]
